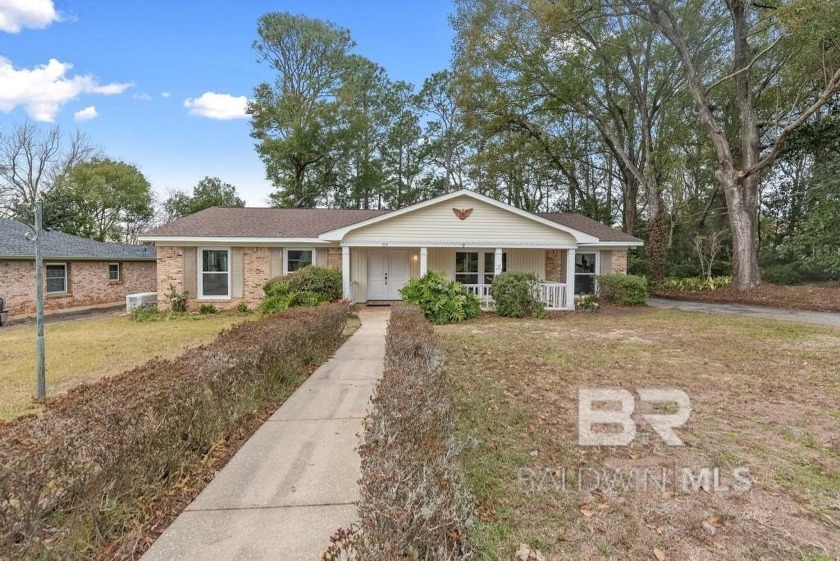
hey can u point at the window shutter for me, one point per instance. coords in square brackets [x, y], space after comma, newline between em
[275, 265]
[237, 272]
[321, 257]
[190, 274]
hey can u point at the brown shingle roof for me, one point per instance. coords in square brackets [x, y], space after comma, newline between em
[218, 222]
[262, 222]
[589, 226]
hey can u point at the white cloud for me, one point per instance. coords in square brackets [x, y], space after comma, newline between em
[165, 94]
[212, 105]
[18, 14]
[85, 114]
[142, 97]
[43, 90]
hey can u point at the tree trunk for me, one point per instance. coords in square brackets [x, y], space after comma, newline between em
[631, 201]
[742, 223]
[743, 212]
[656, 247]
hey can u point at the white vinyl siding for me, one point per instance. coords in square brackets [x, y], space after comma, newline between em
[442, 259]
[485, 226]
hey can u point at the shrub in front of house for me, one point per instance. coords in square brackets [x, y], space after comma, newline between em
[623, 290]
[84, 475]
[309, 286]
[516, 295]
[441, 300]
[588, 303]
[694, 284]
[177, 299]
[414, 502]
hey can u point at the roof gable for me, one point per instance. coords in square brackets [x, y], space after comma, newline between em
[434, 219]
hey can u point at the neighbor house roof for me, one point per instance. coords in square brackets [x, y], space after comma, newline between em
[589, 226]
[15, 245]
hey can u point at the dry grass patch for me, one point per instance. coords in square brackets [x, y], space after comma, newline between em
[765, 396]
[84, 350]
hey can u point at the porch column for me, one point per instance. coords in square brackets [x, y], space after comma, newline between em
[345, 272]
[497, 261]
[424, 260]
[570, 280]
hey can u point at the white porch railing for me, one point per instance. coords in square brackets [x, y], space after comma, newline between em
[552, 294]
[482, 292]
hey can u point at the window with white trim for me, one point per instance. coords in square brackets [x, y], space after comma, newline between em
[585, 273]
[214, 273]
[490, 266]
[298, 259]
[56, 278]
[113, 272]
[466, 267]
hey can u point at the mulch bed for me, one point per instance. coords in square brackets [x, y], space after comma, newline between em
[805, 297]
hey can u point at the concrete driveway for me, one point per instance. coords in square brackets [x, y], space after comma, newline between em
[819, 318]
[296, 480]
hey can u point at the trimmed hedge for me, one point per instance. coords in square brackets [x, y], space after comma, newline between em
[80, 474]
[310, 286]
[623, 290]
[516, 294]
[414, 502]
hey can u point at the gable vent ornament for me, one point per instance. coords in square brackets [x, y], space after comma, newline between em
[462, 213]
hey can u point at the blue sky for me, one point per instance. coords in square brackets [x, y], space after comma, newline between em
[137, 63]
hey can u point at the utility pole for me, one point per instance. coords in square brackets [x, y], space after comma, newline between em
[40, 368]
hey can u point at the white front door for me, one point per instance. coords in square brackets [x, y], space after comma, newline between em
[388, 271]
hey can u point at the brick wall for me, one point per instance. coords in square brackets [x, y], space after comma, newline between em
[88, 284]
[555, 260]
[619, 261]
[334, 258]
[256, 272]
[170, 272]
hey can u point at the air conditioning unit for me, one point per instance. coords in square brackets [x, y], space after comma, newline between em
[140, 300]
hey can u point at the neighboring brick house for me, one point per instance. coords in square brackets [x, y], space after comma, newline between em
[77, 271]
[224, 256]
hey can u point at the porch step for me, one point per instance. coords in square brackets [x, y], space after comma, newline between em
[379, 302]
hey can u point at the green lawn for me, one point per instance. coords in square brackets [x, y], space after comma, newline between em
[86, 349]
[765, 395]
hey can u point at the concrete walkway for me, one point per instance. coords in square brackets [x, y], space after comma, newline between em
[296, 480]
[761, 312]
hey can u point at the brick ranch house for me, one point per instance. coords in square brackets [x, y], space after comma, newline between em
[224, 256]
[77, 271]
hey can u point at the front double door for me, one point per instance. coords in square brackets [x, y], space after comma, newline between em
[388, 271]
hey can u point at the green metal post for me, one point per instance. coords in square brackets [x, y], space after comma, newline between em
[41, 391]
